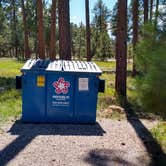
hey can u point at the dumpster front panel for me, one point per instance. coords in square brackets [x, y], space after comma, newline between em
[60, 88]
[33, 97]
[86, 98]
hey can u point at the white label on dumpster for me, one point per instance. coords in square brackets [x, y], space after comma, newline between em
[83, 84]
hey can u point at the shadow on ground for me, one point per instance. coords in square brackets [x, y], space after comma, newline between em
[152, 146]
[27, 132]
[106, 157]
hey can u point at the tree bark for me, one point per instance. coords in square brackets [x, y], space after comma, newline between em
[41, 45]
[53, 30]
[151, 10]
[64, 30]
[26, 43]
[135, 31]
[13, 3]
[121, 49]
[88, 33]
[146, 2]
[156, 14]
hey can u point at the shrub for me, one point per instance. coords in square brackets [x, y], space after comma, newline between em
[151, 62]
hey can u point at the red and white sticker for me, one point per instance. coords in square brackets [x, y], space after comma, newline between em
[61, 86]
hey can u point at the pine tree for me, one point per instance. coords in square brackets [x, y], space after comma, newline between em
[53, 30]
[64, 30]
[26, 43]
[156, 14]
[88, 33]
[151, 9]
[14, 27]
[146, 9]
[41, 45]
[121, 49]
[135, 30]
[101, 42]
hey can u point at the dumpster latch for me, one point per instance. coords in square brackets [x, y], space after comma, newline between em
[101, 86]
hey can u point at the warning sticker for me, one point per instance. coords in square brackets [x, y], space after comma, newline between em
[40, 81]
[83, 84]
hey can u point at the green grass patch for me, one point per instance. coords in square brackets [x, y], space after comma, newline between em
[159, 133]
[10, 105]
[104, 65]
[107, 98]
[10, 99]
[9, 67]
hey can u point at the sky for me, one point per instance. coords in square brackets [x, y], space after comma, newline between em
[77, 9]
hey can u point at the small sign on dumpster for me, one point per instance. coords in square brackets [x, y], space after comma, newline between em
[41, 81]
[83, 84]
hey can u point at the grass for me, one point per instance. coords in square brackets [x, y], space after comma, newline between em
[10, 105]
[9, 67]
[111, 65]
[109, 97]
[10, 99]
[159, 133]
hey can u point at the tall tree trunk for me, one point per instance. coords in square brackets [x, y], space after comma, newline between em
[121, 49]
[64, 30]
[36, 34]
[146, 2]
[156, 14]
[41, 45]
[26, 44]
[14, 27]
[88, 33]
[53, 30]
[151, 10]
[135, 31]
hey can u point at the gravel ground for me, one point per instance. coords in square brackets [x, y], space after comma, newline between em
[109, 142]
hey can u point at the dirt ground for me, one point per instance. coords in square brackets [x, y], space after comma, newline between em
[107, 143]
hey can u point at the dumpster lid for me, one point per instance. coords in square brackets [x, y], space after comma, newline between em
[35, 64]
[55, 66]
[62, 65]
[28, 64]
[80, 66]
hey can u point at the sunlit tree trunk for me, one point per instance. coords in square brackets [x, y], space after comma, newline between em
[135, 31]
[88, 41]
[41, 45]
[26, 44]
[121, 49]
[53, 30]
[64, 30]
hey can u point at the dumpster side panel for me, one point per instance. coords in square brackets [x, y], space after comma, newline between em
[86, 98]
[60, 89]
[33, 97]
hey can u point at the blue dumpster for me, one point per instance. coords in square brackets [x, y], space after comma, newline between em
[60, 91]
